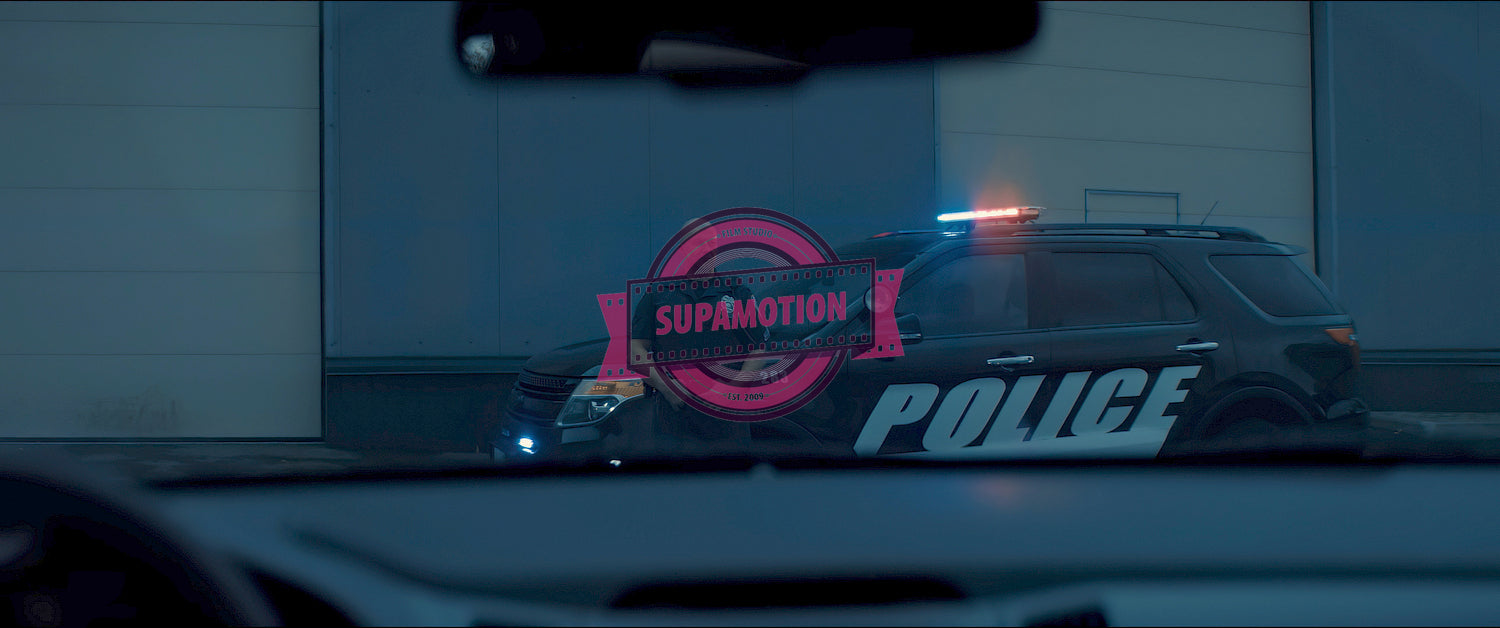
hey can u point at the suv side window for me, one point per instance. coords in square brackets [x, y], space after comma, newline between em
[971, 295]
[1115, 288]
[1276, 284]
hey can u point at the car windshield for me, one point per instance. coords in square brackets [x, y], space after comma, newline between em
[270, 238]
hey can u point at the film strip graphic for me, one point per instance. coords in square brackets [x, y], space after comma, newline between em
[884, 341]
[736, 315]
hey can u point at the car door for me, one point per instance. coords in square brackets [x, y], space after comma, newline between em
[1132, 350]
[969, 337]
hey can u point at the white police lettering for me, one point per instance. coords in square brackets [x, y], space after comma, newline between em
[1015, 409]
[901, 404]
[1061, 406]
[1092, 417]
[964, 413]
[1166, 392]
[969, 407]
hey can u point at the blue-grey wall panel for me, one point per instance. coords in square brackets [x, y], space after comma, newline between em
[863, 155]
[574, 189]
[595, 176]
[1412, 88]
[416, 213]
[475, 218]
[1489, 106]
[716, 149]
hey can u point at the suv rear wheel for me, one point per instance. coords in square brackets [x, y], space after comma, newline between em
[1252, 424]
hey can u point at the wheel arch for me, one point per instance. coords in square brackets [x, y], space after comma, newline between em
[1255, 388]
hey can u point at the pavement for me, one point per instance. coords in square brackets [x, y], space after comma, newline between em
[1433, 436]
[1440, 424]
[168, 461]
[1473, 433]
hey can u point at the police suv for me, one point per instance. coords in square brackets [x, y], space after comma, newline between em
[1019, 341]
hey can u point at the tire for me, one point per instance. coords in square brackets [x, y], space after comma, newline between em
[1254, 425]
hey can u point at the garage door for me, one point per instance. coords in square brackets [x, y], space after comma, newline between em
[1140, 112]
[159, 265]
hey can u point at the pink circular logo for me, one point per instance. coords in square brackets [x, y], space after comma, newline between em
[744, 315]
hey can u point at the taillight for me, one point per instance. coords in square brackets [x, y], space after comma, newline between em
[1345, 336]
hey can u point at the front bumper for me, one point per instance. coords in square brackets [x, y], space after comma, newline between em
[520, 442]
[528, 431]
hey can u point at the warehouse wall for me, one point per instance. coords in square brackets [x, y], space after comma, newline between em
[1140, 112]
[160, 190]
[480, 218]
[439, 257]
[1409, 193]
[159, 195]
[471, 223]
[1412, 185]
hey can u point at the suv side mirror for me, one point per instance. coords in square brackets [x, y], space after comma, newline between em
[909, 328]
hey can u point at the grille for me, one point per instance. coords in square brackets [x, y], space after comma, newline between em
[547, 386]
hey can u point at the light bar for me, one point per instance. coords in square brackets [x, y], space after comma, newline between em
[1018, 213]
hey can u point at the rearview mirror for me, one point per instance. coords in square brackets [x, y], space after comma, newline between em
[717, 44]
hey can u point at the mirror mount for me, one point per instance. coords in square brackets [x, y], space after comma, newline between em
[910, 329]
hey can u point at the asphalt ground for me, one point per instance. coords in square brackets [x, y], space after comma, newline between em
[170, 461]
[1435, 436]
[1457, 435]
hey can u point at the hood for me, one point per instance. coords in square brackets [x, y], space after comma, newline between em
[574, 359]
[569, 361]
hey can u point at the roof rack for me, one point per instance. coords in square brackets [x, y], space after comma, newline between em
[1099, 228]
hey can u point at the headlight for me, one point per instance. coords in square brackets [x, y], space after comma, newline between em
[593, 400]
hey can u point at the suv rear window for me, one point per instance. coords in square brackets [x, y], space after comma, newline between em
[1115, 288]
[1274, 283]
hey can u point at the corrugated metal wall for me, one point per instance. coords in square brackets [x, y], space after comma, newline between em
[1409, 194]
[481, 218]
[1199, 104]
[159, 196]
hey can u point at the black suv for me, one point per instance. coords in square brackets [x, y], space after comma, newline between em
[1020, 340]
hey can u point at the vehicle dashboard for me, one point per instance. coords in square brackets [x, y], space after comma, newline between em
[1045, 544]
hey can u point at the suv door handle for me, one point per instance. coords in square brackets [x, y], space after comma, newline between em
[1195, 347]
[1014, 360]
